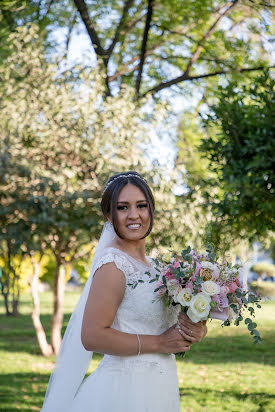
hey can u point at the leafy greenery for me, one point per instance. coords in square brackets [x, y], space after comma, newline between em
[239, 147]
[142, 43]
[225, 372]
[248, 301]
[59, 142]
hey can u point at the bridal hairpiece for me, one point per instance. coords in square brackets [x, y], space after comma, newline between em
[118, 177]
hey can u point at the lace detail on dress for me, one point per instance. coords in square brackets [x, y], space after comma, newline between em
[121, 262]
[139, 311]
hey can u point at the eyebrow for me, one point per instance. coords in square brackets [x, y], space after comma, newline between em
[138, 201]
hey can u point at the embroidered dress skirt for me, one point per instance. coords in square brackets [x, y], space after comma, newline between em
[145, 383]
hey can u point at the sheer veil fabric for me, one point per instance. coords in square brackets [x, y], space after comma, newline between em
[73, 360]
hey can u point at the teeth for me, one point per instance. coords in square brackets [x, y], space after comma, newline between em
[134, 226]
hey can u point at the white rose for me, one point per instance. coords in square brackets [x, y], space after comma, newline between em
[193, 316]
[208, 265]
[184, 297]
[210, 288]
[199, 307]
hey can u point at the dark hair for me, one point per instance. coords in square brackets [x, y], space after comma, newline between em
[114, 187]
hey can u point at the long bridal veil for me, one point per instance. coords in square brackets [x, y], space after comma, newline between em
[73, 360]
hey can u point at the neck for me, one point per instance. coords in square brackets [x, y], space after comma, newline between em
[134, 248]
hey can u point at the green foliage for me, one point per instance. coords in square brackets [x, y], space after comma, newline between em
[190, 37]
[248, 301]
[60, 141]
[239, 148]
[190, 137]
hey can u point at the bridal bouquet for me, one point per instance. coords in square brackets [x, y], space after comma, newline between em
[205, 289]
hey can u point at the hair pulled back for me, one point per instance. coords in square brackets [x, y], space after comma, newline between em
[112, 190]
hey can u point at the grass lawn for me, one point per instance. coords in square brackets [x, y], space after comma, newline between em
[225, 372]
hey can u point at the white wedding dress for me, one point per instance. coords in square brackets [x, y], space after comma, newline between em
[144, 383]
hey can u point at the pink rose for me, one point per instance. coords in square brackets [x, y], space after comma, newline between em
[224, 289]
[176, 265]
[221, 300]
[232, 286]
[219, 314]
[169, 275]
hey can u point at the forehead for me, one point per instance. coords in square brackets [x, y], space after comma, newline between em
[130, 192]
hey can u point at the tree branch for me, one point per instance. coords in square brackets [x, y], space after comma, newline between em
[124, 68]
[144, 44]
[199, 48]
[99, 50]
[83, 11]
[120, 26]
[186, 77]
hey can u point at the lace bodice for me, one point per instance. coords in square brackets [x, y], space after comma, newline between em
[139, 311]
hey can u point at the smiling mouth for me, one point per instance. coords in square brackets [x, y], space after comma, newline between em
[134, 226]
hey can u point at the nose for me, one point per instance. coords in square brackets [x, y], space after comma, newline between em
[133, 213]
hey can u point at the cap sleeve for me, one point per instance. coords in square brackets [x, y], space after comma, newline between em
[121, 262]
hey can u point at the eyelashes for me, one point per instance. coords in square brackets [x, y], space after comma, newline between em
[124, 207]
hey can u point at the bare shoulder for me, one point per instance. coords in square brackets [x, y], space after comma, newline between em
[108, 279]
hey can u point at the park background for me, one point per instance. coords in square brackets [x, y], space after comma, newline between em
[182, 92]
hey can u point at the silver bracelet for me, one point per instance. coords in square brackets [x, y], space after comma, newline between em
[139, 345]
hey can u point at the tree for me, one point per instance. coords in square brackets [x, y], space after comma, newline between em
[239, 149]
[157, 44]
[59, 142]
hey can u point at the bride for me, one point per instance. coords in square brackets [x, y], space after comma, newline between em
[138, 337]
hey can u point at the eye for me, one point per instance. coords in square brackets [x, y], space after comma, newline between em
[142, 205]
[124, 207]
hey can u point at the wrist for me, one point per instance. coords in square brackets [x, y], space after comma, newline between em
[158, 344]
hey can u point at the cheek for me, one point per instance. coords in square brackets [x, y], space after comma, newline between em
[146, 215]
[120, 216]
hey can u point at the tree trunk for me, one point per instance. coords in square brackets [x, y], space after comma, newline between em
[12, 284]
[45, 348]
[5, 294]
[15, 293]
[57, 317]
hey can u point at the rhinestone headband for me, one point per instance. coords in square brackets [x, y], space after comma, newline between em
[120, 176]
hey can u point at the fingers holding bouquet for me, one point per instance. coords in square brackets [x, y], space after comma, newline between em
[173, 341]
[193, 332]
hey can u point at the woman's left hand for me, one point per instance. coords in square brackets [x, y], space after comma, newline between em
[193, 332]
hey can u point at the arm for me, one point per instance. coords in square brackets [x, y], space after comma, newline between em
[105, 296]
